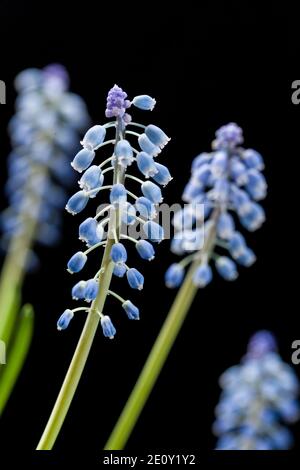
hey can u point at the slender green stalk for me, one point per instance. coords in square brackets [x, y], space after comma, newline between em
[160, 350]
[153, 365]
[18, 350]
[78, 362]
[85, 342]
[12, 276]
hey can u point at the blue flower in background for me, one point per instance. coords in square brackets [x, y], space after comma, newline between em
[259, 398]
[110, 227]
[222, 193]
[43, 132]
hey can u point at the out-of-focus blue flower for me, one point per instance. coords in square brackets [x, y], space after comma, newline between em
[43, 133]
[221, 194]
[116, 223]
[259, 397]
[174, 275]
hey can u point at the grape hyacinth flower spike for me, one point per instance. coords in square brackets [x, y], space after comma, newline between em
[222, 193]
[259, 397]
[43, 134]
[109, 228]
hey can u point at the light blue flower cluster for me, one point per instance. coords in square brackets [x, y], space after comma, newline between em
[223, 189]
[113, 220]
[43, 133]
[259, 397]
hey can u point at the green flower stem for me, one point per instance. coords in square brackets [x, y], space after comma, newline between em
[78, 362]
[160, 350]
[154, 364]
[19, 347]
[85, 342]
[12, 276]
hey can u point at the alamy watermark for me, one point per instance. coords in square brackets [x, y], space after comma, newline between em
[2, 92]
[296, 353]
[295, 97]
[2, 352]
[183, 223]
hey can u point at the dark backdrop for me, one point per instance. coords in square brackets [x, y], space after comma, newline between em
[205, 66]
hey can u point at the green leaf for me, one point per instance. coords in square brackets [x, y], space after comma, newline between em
[18, 349]
[10, 307]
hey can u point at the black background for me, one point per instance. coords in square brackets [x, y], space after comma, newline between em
[206, 66]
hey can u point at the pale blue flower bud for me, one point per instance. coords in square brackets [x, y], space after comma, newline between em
[221, 190]
[131, 310]
[253, 159]
[118, 194]
[119, 270]
[135, 279]
[92, 178]
[238, 171]
[144, 102]
[78, 291]
[146, 164]
[237, 245]
[191, 192]
[118, 253]
[201, 175]
[219, 163]
[247, 258]
[225, 226]
[174, 275]
[256, 186]
[87, 229]
[83, 159]
[153, 231]
[163, 175]
[124, 153]
[200, 160]
[64, 319]
[91, 290]
[147, 146]
[254, 218]
[157, 136]
[240, 200]
[128, 214]
[152, 191]
[94, 137]
[202, 276]
[108, 328]
[145, 250]
[145, 208]
[226, 268]
[77, 202]
[229, 135]
[77, 262]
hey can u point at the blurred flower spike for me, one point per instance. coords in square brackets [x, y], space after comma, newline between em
[228, 183]
[259, 398]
